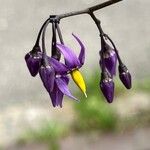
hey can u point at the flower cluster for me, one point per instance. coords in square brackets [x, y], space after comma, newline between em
[108, 62]
[54, 72]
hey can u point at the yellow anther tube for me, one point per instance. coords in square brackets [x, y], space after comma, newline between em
[78, 79]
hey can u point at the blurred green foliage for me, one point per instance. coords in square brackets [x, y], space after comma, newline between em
[49, 133]
[94, 113]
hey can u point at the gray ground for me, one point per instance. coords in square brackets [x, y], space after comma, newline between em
[17, 118]
[126, 22]
[135, 140]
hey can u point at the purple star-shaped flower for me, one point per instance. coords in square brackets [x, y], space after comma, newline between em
[73, 63]
[60, 83]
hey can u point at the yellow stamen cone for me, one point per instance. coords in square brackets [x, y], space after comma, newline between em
[78, 79]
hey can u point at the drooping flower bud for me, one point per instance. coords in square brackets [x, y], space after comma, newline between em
[109, 58]
[107, 86]
[47, 75]
[33, 60]
[125, 76]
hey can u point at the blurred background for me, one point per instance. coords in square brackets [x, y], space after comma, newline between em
[27, 118]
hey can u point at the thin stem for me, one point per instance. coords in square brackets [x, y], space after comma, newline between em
[59, 33]
[97, 22]
[40, 32]
[55, 53]
[53, 39]
[57, 18]
[102, 5]
[43, 38]
[119, 59]
[103, 67]
[90, 9]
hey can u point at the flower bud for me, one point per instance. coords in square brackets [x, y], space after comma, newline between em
[33, 60]
[107, 86]
[109, 58]
[125, 76]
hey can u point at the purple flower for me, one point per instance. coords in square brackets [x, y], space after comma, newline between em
[125, 76]
[109, 57]
[54, 77]
[33, 60]
[107, 86]
[73, 63]
[61, 81]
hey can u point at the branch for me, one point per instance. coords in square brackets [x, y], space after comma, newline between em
[88, 10]
[105, 4]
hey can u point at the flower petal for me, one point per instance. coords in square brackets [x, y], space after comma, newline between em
[53, 95]
[59, 67]
[56, 96]
[71, 59]
[82, 51]
[59, 93]
[47, 75]
[59, 98]
[65, 79]
[62, 85]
